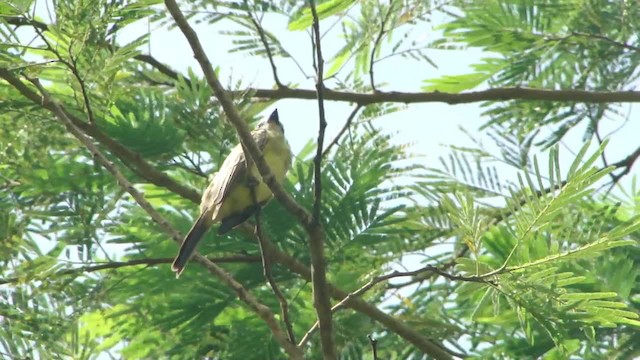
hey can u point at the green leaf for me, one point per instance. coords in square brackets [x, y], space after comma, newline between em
[15, 7]
[588, 296]
[324, 10]
[458, 83]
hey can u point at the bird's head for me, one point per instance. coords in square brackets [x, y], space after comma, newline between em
[273, 122]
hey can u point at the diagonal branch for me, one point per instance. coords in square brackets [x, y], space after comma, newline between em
[136, 262]
[597, 37]
[625, 164]
[378, 279]
[265, 43]
[260, 309]
[266, 268]
[377, 43]
[162, 68]
[132, 160]
[266, 256]
[321, 296]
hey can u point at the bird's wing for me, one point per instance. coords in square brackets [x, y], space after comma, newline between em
[233, 171]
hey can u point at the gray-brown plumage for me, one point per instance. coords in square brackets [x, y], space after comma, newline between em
[228, 199]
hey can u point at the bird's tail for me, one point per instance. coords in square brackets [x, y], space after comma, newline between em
[189, 243]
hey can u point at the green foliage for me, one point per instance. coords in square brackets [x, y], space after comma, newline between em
[538, 259]
[546, 44]
[324, 10]
[141, 124]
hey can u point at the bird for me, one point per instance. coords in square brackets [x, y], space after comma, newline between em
[229, 198]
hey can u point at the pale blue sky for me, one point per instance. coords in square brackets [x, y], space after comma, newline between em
[426, 126]
[300, 116]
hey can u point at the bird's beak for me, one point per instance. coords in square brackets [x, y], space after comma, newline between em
[273, 118]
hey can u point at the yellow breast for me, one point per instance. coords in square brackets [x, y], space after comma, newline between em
[277, 154]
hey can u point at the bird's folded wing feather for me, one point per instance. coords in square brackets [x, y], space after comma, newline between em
[233, 171]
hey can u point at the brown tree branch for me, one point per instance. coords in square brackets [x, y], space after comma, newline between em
[162, 68]
[625, 164]
[265, 43]
[376, 44]
[19, 21]
[496, 94]
[321, 296]
[429, 274]
[266, 258]
[252, 302]
[597, 37]
[135, 262]
[266, 268]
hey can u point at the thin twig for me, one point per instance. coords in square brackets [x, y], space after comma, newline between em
[596, 126]
[73, 66]
[401, 52]
[344, 129]
[136, 262]
[596, 130]
[83, 88]
[266, 255]
[376, 43]
[374, 346]
[427, 275]
[265, 43]
[266, 266]
[378, 279]
[597, 37]
[626, 164]
[260, 309]
[321, 296]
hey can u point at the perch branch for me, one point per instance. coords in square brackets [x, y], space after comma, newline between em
[321, 296]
